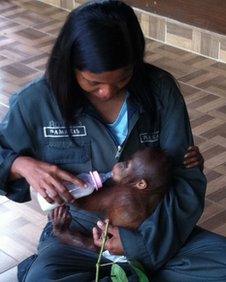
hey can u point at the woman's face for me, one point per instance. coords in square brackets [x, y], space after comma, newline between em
[106, 85]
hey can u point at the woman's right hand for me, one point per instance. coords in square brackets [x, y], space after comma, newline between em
[46, 179]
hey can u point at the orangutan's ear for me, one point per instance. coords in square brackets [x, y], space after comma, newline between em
[141, 184]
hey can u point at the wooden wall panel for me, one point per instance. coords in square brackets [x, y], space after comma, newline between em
[206, 14]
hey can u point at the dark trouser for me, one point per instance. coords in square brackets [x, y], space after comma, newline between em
[202, 258]
[59, 262]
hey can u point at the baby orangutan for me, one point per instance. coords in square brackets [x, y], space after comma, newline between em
[139, 185]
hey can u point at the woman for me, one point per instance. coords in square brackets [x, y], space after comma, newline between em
[99, 103]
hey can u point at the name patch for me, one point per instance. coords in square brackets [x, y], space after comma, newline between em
[61, 131]
[149, 137]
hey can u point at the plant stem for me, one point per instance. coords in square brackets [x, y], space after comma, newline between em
[106, 264]
[101, 251]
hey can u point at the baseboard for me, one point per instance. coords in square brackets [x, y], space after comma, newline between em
[170, 32]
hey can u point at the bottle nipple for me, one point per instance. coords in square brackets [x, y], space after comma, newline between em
[96, 179]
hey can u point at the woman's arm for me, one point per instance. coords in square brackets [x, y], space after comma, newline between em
[163, 233]
[19, 167]
[14, 140]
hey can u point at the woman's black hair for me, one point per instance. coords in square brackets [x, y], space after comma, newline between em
[98, 36]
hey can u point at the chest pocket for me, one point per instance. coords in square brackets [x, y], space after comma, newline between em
[149, 131]
[145, 133]
[149, 139]
[68, 155]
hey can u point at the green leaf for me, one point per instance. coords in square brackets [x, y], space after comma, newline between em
[142, 276]
[140, 271]
[118, 274]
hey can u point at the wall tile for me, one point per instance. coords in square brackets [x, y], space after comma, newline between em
[65, 4]
[157, 28]
[138, 14]
[144, 22]
[178, 41]
[53, 2]
[179, 30]
[68, 4]
[196, 40]
[222, 53]
[179, 35]
[209, 45]
[81, 1]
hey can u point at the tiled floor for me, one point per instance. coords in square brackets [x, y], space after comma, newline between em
[27, 31]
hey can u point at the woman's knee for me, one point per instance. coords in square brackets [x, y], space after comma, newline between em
[41, 271]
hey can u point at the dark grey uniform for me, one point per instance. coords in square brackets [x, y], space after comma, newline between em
[168, 244]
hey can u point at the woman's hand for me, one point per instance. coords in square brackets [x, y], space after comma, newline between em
[193, 157]
[113, 244]
[45, 178]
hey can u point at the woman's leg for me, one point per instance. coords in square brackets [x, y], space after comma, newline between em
[201, 259]
[56, 261]
[60, 262]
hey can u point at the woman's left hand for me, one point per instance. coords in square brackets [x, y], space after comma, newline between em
[113, 243]
[193, 157]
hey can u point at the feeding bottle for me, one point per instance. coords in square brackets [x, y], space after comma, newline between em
[93, 181]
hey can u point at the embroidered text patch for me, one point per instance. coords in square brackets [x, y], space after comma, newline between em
[61, 131]
[149, 137]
